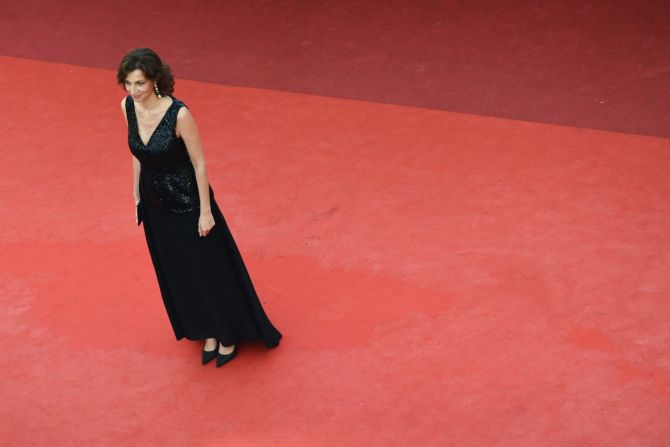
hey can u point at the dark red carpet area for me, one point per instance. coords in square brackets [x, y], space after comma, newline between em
[597, 64]
[456, 213]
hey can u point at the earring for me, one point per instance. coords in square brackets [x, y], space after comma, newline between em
[156, 89]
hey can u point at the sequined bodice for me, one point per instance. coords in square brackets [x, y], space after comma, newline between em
[167, 177]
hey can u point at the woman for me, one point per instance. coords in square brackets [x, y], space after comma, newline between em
[205, 286]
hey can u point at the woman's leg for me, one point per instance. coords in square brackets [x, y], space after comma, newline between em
[224, 350]
[210, 344]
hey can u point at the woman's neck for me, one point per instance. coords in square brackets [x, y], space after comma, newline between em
[151, 103]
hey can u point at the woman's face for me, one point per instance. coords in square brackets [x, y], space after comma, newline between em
[139, 86]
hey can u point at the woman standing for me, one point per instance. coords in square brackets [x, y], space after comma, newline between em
[204, 283]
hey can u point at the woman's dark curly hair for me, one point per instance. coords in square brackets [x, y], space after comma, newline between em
[151, 65]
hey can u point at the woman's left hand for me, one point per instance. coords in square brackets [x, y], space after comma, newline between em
[205, 223]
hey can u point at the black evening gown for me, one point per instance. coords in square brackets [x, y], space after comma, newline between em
[203, 281]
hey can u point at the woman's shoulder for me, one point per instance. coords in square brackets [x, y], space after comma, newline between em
[178, 102]
[125, 106]
[181, 108]
[125, 101]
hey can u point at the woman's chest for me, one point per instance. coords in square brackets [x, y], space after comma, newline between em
[147, 125]
[162, 148]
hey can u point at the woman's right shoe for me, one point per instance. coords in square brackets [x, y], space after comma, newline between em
[222, 359]
[208, 356]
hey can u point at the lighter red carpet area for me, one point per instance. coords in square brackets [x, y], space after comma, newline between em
[440, 278]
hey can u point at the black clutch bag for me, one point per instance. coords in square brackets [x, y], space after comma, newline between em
[140, 214]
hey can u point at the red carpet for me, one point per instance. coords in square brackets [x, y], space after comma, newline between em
[440, 278]
[597, 64]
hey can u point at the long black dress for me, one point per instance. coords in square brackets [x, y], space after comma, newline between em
[203, 281]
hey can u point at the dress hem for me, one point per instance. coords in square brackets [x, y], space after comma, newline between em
[239, 340]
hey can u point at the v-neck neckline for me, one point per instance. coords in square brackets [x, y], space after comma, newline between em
[137, 124]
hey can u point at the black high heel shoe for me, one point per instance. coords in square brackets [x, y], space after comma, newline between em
[222, 359]
[207, 356]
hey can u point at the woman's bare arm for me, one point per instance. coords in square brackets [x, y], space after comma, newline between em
[136, 180]
[136, 163]
[187, 129]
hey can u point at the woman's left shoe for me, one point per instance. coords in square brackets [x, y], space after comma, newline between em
[222, 359]
[207, 356]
